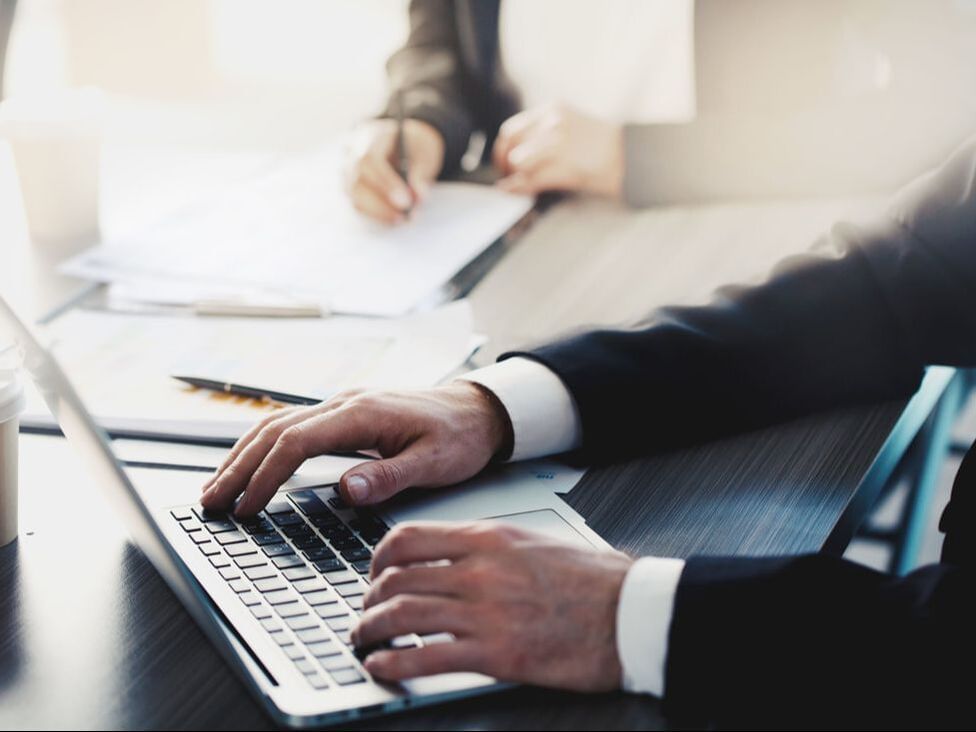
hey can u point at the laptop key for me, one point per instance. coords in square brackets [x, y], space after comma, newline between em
[290, 610]
[268, 537]
[294, 652]
[219, 561]
[280, 597]
[329, 565]
[209, 549]
[259, 573]
[287, 561]
[237, 550]
[308, 542]
[281, 637]
[277, 550]
[239, 585]
[325, 521]
[181, 514]
[343, 622]
[330, 610]
[261, 612]
[302, 622]
[320, 598]
[341, 577]
[250, 560]
[207, 516]
[345, 636]
[230, 573]
[234, 537]
[220, 526]
[298, 573]
[351, 589]
[250, 599]
[190, 525]
[296, 529]
[308, 502]
[319, 553]
[312, 635]
[200, 537]
[317, 681]
[271, 584]
[270, 624]
[356, 603]
[278, 506]
[335, 662]
[356, 555]
[257, 525]
[315, 584]
[323, 649]
[288, 519]
[362, 566]
[347, 676]
[306, 666]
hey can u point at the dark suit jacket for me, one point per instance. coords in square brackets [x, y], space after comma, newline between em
[784, 94]
[814, 640]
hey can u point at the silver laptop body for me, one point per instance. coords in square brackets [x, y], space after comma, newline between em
[279, 616]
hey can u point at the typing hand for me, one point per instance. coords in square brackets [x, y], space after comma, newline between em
[557, 148]
[371, 179]
[521, 606]
[426, 438]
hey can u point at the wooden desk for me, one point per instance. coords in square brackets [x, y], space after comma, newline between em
[91, 637]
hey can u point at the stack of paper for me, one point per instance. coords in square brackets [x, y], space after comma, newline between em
[123, 365]
[292, 235]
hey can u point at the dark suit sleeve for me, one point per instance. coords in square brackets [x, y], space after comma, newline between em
[820, 642]
[429, 72]
[856, 320]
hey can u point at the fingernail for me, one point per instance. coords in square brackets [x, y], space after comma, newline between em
[208, 493]
[400, 199]
[358, 488]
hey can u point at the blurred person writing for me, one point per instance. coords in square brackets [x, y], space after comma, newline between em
[808, 641]
[672, 100]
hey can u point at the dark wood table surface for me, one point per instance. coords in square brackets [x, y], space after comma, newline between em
[91, 637]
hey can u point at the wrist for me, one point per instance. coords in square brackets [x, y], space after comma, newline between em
[497, 423]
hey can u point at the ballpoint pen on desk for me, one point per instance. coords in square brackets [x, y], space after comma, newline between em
[247, 391]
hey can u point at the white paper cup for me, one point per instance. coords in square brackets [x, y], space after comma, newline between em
[11, 406]
[56, 142]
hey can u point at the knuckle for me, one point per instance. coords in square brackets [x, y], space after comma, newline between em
[291, 439]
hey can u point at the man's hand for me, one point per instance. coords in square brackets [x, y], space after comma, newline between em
[557, 148]
[521, 606]
[427, 438]
[371, 179]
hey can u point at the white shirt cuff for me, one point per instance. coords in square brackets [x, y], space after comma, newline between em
[644, 621]
[544, 417]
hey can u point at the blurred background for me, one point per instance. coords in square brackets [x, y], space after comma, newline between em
[231, 73]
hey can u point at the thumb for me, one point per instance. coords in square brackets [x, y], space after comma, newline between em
[421, 178]
[378, 480]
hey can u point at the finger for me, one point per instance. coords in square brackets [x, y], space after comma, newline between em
[512, 132]
[344, 429]
[382, 178]
[379, 480]
[374, 204]
[531, 155]
[244, 441]
[407, 614]
[235, 476]
[437, 658]
[428, 541]
[545, 178]
[419, 580]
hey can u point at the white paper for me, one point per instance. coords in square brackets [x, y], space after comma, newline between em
[293, 232]
[122, 364]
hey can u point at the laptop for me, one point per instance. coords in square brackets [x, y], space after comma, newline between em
[278, 594]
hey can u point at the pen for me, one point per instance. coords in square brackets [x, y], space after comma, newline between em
[246, 391]
[403, 166]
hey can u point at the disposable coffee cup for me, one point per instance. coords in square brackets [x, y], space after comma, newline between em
[56, 144]
[11, 407]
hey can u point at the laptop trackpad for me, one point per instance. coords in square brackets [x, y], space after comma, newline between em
[546, 521]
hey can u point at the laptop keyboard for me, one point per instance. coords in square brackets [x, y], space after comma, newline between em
[301, 567]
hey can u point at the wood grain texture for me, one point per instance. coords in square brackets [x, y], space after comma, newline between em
[91, 637]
